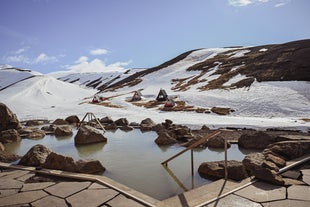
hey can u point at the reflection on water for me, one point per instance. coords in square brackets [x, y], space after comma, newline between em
[134, 159]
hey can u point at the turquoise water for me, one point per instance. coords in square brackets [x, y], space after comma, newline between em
[134, 159]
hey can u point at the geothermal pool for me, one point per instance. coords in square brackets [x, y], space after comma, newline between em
[134, 159]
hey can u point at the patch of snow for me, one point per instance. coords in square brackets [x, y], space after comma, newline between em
[263, 50]
[238, 53]
[235, 79]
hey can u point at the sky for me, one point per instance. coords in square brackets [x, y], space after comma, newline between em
[108, 35]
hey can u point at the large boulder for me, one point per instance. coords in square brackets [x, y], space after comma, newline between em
[289, 149]
[49, 128]
[147, 124]
[87, 135]
[8, 120]
[60, 122]
[36, 156]
[32, 133]
[216, 170]
[9, 136]
[61, 131]
[256, 165]
[8, 157]
[59, 162]
[72, 119]
[217, 142]
[258, 140]
[164, 138]
[89, 166]
[121, 122]
[106, 120]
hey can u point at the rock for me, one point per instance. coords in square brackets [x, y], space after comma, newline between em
[72, 119]
[221, 110]
[89, 166]
[59, 162]
[121, 122]
[205, 128]
[258, 140]
[60, 122]
[126, 128]
[134, 124]
[33, 123]
[32, 133]
[37, 134]
[276, 160]
[9, 136]
[290, 149]
[164, 138]
[217, 142]
[147, 124]
[87, 135]
[158, 127]
[62, 131]
[8, 157]
[216, 170]
[254, 164]
[8, 120]
[270, 165]
[110, 126]
[2, 148]
[36, 156]
[50, 128]
[106, 120]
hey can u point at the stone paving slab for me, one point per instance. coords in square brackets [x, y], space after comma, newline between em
[25, 177]
[10, 184]
[4, 193]
[287, 203]
[306, 179]
[121, 201]
[306, 172]
[94, 197]
[16, 174]
[36, 186]
[50, 201]
[22, 198]
[299, 192]
[262, 192]
[97, 186]
[233, 200]
[66, 189]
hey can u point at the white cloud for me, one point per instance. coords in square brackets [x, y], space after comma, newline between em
[19, 57]
[282, 3]
[83, 66]
[99, 51]
[44, 58]
[239, 3]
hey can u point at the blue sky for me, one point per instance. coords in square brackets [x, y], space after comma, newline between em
[105, 35]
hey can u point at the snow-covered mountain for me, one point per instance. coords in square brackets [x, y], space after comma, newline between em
[266, 86]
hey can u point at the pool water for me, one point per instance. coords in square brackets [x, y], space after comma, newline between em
[134, 159]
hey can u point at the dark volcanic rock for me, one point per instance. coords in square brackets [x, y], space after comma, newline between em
[60, 122]
[88, 135]
[8, 157]
[147, 124]
[106, 120]
[63, 131]
[121, 122]
[89, 166]
[164, 138]
[36, 156]
[59, 162]
[50, 128]
[221, 110]
[8, 119]
[258, 140]
[217, 142]
[72, 119]
[216, 170]
[10, 135]
[256, 165]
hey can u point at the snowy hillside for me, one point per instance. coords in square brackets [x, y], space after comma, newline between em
[256, 89]
[94, 80]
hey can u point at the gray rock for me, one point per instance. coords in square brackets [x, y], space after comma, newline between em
[36, 156]
[164, 138]
[216, 170]
[61, 131]
[9, 136]
[87, 135]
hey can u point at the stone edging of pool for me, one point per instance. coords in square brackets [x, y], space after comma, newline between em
[197, 197]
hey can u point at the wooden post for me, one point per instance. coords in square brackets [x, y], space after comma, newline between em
[226, 173]
[192, 166]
